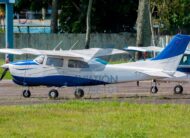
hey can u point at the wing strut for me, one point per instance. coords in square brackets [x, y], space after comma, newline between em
[58, 45]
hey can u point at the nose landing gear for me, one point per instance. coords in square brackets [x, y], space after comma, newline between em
[26, 93]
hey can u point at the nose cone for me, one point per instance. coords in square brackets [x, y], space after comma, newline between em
[5, 66]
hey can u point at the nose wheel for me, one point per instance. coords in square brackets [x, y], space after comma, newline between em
[26, 93]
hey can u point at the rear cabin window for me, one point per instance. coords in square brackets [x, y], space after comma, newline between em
[53, 61]
[77, 64]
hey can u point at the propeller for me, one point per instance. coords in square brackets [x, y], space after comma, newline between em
[4, 73]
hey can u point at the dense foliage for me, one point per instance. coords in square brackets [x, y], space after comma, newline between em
[114, 16]
[174, 15]
[107, 16]
[34, 5]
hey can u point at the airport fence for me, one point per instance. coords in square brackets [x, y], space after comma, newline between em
[49, 41]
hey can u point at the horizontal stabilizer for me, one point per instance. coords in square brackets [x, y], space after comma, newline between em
[179, 74]
[158, 74]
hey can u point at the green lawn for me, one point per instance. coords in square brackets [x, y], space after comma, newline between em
[95, 119]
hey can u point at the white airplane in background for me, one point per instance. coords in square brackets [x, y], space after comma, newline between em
[83, 67]
[184, 65]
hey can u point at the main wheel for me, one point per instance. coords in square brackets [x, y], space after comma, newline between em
[153, 89]
[79, 93]
[26, 93]
[178, 89]
[53, 94]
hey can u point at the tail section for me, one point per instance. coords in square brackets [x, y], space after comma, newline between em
[176, 47]
[168, 60]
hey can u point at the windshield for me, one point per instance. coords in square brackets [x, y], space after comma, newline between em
[39, 59]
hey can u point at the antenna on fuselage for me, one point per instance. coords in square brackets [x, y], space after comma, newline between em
[74, 45]
[58, 46]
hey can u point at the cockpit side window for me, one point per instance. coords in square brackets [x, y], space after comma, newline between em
[54, 61]
[77, 64]
[39, 59]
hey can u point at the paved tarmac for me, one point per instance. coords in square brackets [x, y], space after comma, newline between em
[11, 94]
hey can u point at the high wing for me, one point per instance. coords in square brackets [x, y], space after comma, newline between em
[149, 49]
[84, 54]
[98, 52]
[32, 51]
[144, 49]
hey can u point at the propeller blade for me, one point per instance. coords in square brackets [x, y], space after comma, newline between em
[4, 73]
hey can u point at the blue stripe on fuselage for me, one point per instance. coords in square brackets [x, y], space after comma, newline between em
[25, 62]
[56, 81]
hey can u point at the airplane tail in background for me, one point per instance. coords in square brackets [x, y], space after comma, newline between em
[170, 57]
[176, 47]
[166, 63]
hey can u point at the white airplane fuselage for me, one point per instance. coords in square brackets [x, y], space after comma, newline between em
[30, 73]
[94, 72]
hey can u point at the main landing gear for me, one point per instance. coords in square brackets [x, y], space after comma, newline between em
[53, 93]
[154, 88]
[178, 89]
[79, 93]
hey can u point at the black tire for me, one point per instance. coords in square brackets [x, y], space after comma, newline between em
[153, 89]
[178, 89]
[79, 93]
[53, 94]
[26, 93]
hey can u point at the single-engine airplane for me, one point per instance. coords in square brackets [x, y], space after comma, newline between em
[60, 68]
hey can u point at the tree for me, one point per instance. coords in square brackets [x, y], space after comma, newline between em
[2, 18]
[54, 16]
[33, 5]
[73, 15]
[143, 25]
[88, 25]
[108, 16]
[172, 16]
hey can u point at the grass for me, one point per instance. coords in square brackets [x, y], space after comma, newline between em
[95, 119]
